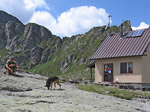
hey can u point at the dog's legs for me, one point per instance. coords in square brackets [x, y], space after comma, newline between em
[54, 85]
[51, 85]
[57, 81]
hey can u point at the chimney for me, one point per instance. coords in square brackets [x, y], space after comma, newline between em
[121, 30]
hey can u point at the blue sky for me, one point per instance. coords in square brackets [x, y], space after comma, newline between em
[136, 11]
[71, 17]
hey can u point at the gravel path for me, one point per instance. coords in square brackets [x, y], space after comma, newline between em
[28, 94]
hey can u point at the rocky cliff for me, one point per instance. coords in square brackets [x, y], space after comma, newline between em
[36, 49]
[30, 44]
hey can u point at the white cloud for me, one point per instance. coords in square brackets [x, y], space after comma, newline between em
[29, 4]
[22, 9]
[141, 26]
[44, 18]
[76, 20]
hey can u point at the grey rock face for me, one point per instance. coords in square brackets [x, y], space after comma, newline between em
[23, 41]
[36, 54]
[34, 34]
[2, 37]
[44, 56]
[13, 31]
[83, 60]
[70, 59]
[64, 65]
[31, 34]
[5, 17]
[14, 44]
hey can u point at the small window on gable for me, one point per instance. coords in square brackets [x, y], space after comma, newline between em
[126, 67]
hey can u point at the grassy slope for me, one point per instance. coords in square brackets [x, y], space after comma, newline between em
[49, 68]
[3, 53]
[124, 94]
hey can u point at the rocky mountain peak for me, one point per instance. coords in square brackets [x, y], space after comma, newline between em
[39, 30]
[5, 18]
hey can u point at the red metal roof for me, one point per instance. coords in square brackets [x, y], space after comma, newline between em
[116, 46]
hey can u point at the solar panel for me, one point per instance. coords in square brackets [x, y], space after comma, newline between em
[135, 33]
[140, 32]
[129, 34]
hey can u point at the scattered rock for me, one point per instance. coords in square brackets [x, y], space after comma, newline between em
[40, 101]
[74, 81]
[15, 89]
[23, 110]
[107, 92]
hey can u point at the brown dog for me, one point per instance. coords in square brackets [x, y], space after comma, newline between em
[52, 80]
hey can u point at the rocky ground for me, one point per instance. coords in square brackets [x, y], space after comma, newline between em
[26, 93]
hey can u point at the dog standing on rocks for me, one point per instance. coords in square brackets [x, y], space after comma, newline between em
[52, 81]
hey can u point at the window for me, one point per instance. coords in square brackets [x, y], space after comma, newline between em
[130, 67]
[123, 67]
[126, 67]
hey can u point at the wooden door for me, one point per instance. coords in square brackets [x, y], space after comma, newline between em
[108, 72]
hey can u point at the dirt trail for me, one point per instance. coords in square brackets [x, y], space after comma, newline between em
[28, 94]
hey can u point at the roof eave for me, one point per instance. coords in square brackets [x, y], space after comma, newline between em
[117, 57]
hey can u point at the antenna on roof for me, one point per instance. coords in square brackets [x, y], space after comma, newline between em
[109, 20]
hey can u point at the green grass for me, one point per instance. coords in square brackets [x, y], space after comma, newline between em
[49, 68]
[24, 67]
[43, 44]
[124, 94]
[20, 53]
[75, 71]
[3, 52]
